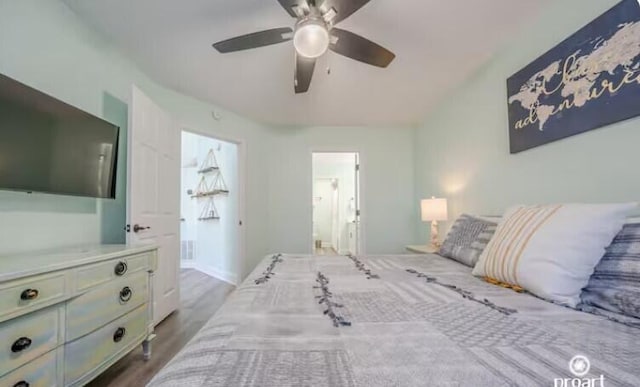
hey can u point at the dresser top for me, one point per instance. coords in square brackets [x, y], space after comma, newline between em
[44, 261]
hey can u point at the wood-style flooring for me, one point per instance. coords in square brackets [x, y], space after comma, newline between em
[200, 297]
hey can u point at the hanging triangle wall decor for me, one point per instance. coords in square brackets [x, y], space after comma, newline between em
[210, 164]
[209, 211]
[219, 186]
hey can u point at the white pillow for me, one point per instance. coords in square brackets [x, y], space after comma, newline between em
[551, 250]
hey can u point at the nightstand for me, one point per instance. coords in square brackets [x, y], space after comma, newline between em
[422, 249]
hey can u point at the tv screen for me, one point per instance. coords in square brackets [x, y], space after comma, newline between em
[49, 146]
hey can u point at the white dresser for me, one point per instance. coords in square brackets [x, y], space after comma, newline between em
[69, 314]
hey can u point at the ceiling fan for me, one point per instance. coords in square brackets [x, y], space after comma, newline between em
[313, 34]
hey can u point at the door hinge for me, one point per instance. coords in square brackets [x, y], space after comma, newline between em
[127, 228]
[357, 212]
[357, 167]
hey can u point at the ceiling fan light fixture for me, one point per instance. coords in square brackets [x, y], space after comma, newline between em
[311, 38]
[330, 15]
[314, 33]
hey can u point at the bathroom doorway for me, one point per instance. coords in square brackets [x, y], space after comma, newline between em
[210, 207]
[335, 203]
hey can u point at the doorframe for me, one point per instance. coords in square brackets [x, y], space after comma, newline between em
[242, 194]
[363, 186]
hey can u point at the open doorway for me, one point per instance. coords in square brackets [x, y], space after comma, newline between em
[335, 203]
[209, 205]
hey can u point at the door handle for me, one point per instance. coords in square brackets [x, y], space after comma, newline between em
[137, 228]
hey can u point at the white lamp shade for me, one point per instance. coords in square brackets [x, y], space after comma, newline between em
[434, 209]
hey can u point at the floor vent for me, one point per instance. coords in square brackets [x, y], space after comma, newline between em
[188, 250]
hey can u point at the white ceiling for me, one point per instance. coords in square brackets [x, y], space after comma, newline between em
[438, 44]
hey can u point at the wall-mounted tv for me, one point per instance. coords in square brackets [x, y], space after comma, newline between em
[49, 146]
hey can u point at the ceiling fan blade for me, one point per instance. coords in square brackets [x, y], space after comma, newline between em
[303, 73]
[342, 8]
[295, 8]
[255, 40]
[356, 47]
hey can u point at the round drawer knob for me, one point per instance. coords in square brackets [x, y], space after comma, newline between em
[126, 294]
[121, 268]
[29, 294]
[119, 334]
[22, 383]
[21, 344]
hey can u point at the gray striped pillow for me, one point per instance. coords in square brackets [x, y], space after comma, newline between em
[615, 283]
[467, 239]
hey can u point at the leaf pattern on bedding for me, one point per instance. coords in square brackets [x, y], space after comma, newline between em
[464, 293]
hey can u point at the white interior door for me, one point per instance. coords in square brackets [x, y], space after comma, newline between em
[154, 195]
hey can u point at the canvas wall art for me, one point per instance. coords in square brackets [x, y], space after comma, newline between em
[590, 80]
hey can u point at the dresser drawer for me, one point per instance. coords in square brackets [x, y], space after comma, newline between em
[20, 296]
[85, 354]
[41, 372]
[28, 337]
[106, 303]
[100, 273]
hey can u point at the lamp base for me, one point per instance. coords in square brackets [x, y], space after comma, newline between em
[435, 242]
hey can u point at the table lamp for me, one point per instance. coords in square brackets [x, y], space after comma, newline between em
[433, 210]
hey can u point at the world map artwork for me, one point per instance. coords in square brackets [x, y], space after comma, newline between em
[590, 80]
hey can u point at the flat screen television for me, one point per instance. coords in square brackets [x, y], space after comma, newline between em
[49, 146]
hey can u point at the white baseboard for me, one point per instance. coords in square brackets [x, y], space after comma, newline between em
[222, 275]
[187, 264]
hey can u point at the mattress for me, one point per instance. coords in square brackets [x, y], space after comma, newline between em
[405, 320]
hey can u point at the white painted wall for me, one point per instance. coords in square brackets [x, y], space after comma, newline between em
[216, 241]
[325, 198]
[462, 150]
[340, 166]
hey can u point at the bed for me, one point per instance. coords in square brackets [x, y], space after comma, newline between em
[406, 320]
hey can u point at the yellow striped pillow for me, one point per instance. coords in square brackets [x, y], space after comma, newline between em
[551, 250]
[511, 240]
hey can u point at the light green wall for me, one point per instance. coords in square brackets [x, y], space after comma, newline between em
[462, 150]
[388, 208]
[114, 212]
[45, 45]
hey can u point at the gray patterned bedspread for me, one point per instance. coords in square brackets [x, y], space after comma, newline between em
[395, 321]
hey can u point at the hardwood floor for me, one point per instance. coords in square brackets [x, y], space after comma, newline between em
[200, 297]
[325, 251]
